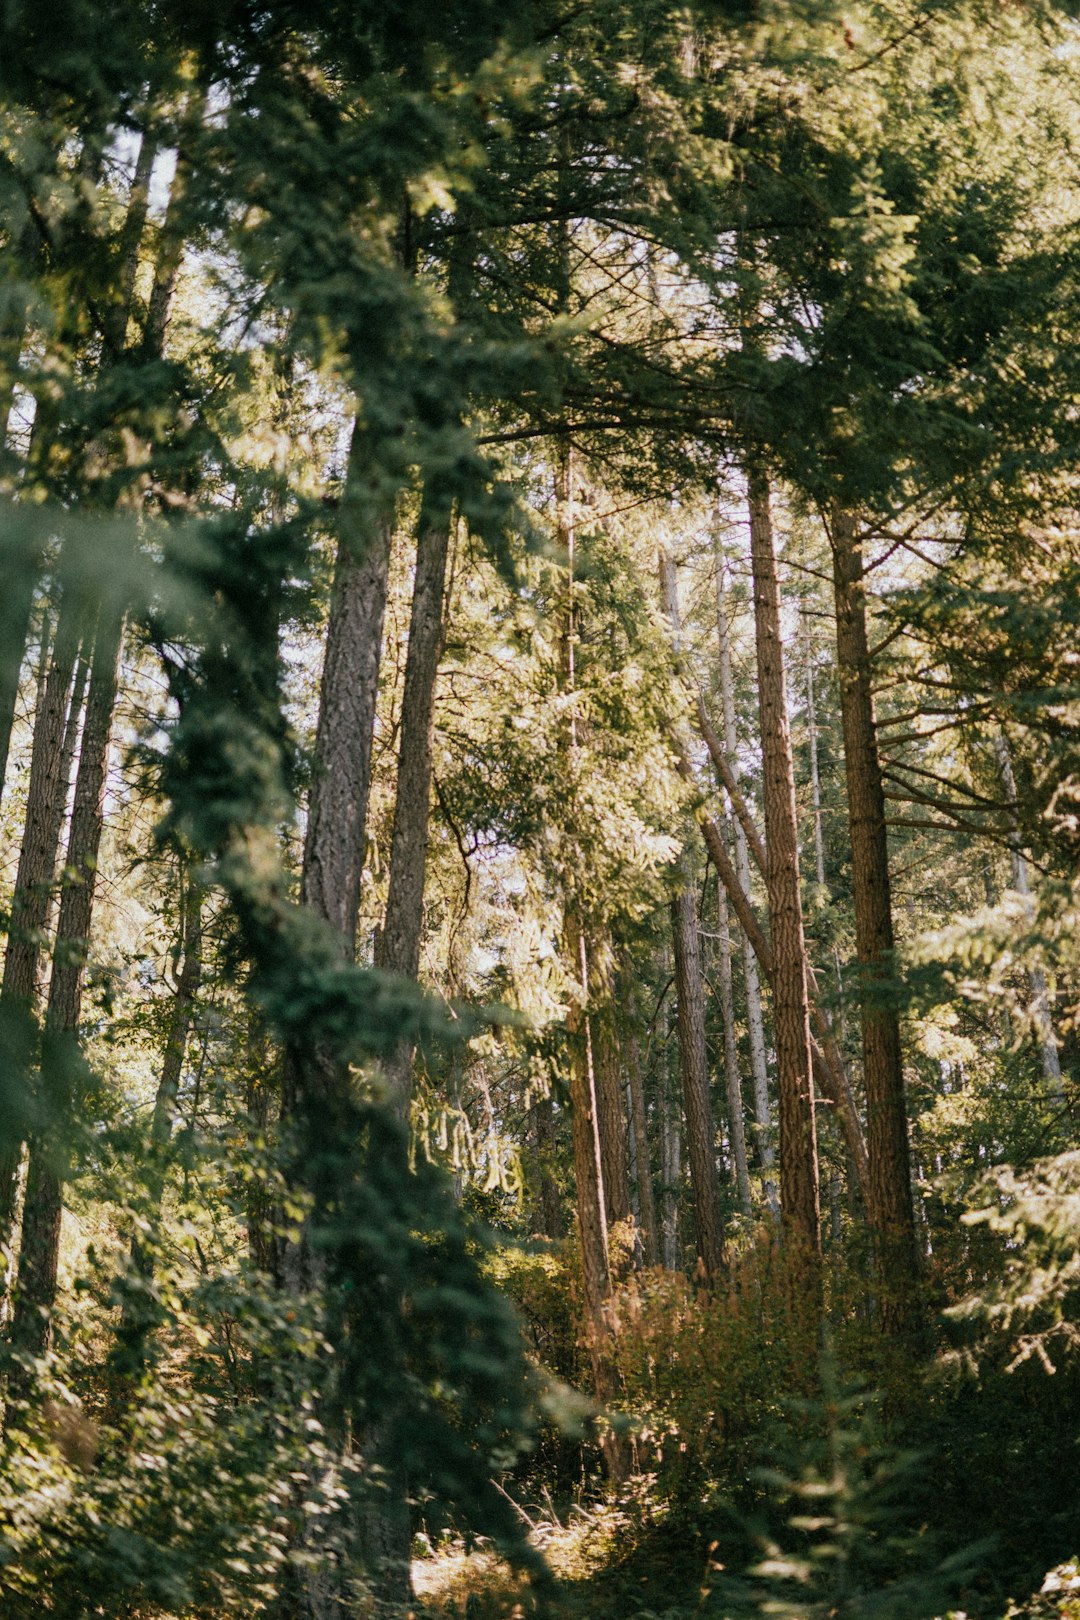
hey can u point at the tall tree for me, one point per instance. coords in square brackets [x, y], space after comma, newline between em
[799, 1211]
[890, 1209]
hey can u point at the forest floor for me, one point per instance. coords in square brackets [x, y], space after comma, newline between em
[591, 1579]
[597, 1574]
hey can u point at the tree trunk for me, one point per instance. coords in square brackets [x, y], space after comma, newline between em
[693, 1054]
[46, 1172]
[815, 776]
[642, 1156]
[693, 1062]
[610, 1114]
[755, 1023]
[398, 946]
[890, 1208]
[548, 1207]
[337, 814]
[731, 1052]
[46, 797]
[670, 1156]
[799, 1210]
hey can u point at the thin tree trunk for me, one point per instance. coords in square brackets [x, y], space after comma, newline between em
[731, 1052]
[693, 1061]
[133, 1326]
[1040, 1000]
[693, 1054]
[755, 1024]
[16, 610]
[398, 945]
[46, 1172]
[670, 1155]
[642, 1156]
[610, 1114]
[815, 776]
[890, 1207]
[549, 1208]
[46, 797]
[799, 1210]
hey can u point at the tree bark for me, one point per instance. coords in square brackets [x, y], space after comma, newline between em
[46, 796]
[46, 1171]
[638, 1119]
[731, 1052]
[799, 1209]
[398, 945]
[693, 1054]
[611, 1115]
[889, 1207]
[670, 1155]
[548, 1207]
[694, 1064]
[755, 1023]
[337, 813]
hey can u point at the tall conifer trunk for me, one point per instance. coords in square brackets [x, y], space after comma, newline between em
[694, 1063]
[639, 1124]
[755, 1024]
[43, 1205]
[38, 853]
[890, 1208]
[398, 945]
[693, 1053]
[799, 1209]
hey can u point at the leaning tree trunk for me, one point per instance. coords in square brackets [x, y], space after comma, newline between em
[799, 1211]
[890, 1208]
[49, 1147]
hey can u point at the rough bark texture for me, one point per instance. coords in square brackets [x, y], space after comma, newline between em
[46, 795]
[612, 1119]
[889, 1205]
[337, 815]
[16, 606]
[694, 1065]
[43, 1205]
[693, 1055]
[330, 884]
[44, 816]
[799, 1211]
[398, 947]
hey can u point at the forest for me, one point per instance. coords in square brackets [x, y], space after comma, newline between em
[540, 810]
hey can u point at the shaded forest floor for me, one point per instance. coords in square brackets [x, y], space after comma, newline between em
[597, 1575]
